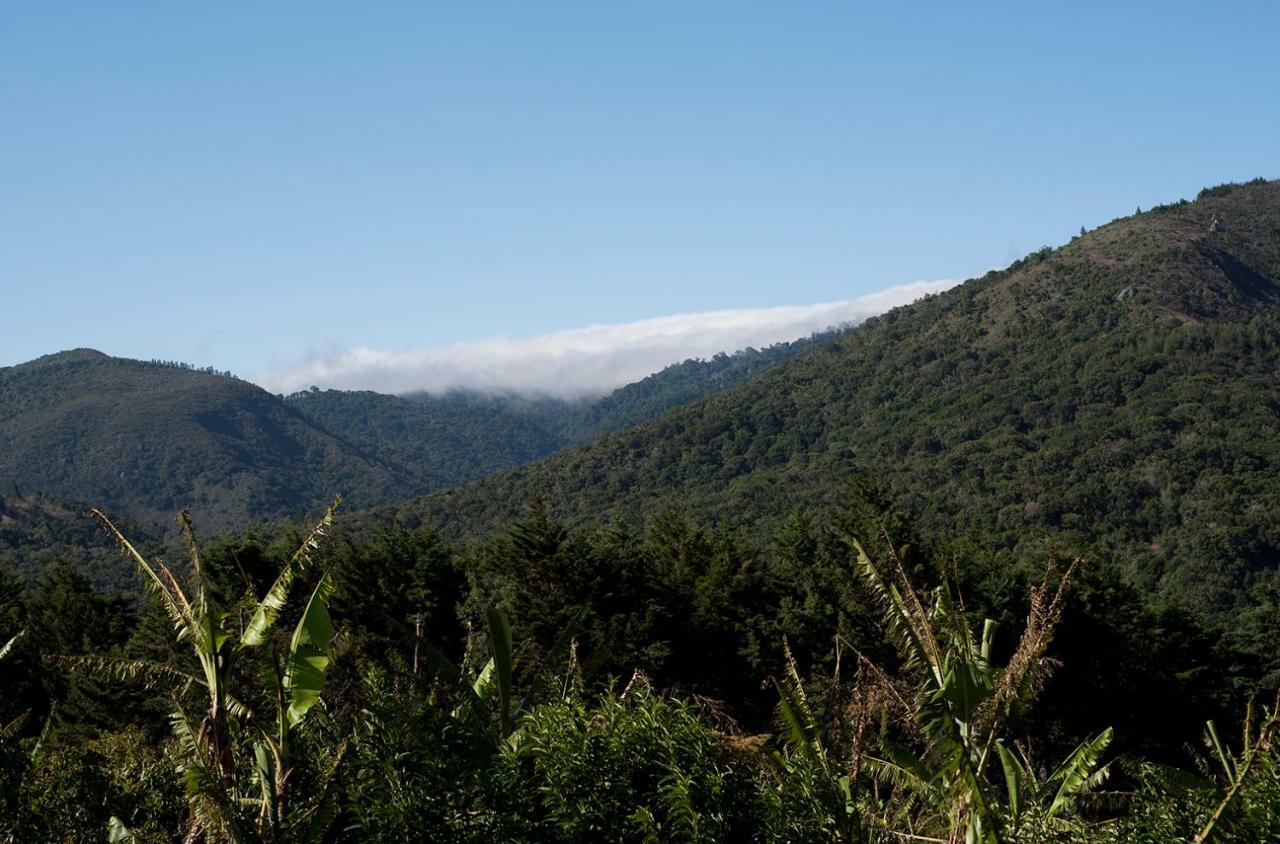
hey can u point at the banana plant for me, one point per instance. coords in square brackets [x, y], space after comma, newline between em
[496, 678]
[962, 702]
[219, 782]
[833, 786]
[952, 705]
[1236, 768]
[1056, 795]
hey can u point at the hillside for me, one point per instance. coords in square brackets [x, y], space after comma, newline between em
[146, 440]
[575, 422]
[439, 442]
[36, 532]
[676, 385]
[1119, 392]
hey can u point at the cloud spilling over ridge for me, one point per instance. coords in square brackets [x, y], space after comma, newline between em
[584, 361]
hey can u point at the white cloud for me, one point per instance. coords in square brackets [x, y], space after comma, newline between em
[584, 361]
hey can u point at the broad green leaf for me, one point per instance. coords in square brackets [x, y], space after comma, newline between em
[484, 682]
[500, 636]
[1012, 779]
[480, 691]
[309, 653]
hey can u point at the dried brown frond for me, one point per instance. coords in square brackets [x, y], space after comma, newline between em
[870, 674]
[1024, 675]
[639, 681]
[714, 711]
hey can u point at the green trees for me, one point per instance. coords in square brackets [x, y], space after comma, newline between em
[473, 696]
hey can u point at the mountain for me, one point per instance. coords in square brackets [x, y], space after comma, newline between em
[461, 436]
[437, 442]
[36, 531]
[676, 385]
[1119, 393]
[574, 422]
[145, 440]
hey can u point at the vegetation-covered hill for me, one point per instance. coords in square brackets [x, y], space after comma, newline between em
[439, 442]
[676, 385]
[148, 440]
[1119, 392]
[37, 532]
[833, 674]
[569, 422]
[461, 436]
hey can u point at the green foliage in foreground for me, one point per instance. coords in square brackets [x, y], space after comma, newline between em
[391, 689]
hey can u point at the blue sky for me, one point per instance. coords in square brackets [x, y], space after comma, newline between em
[253, 186]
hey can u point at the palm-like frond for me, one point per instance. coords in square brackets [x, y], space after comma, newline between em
[500, 639]
[268, 609]
[197, 566]
[144, 672]
[164, 587]
[905, 617]
[797, 716]
[901, 769]
[1237, 771]
[1078, 774]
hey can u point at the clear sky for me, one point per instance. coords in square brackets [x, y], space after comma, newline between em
[252, 185]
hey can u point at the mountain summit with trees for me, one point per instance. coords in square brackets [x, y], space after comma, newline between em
[1117, 393]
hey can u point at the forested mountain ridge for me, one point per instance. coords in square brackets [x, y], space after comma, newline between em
[439, 443]
[147, 440]
[677, 385]
[37, 532]
[1119, 392]
[778, 682]
[577, 421]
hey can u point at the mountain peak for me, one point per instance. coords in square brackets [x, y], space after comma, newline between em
[81, 355]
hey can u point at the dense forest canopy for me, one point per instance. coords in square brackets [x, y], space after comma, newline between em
[1118, 393]
[154, 437]
[999, 566]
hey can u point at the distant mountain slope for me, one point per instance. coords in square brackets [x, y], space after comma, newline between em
[146, 440]
[438, 443]
[676, 385]
[36, 531]
[577, 422]
[1121, 390]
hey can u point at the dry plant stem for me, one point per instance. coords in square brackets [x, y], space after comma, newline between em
[1251, 754]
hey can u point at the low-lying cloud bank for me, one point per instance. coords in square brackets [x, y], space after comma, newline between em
[584, 361]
